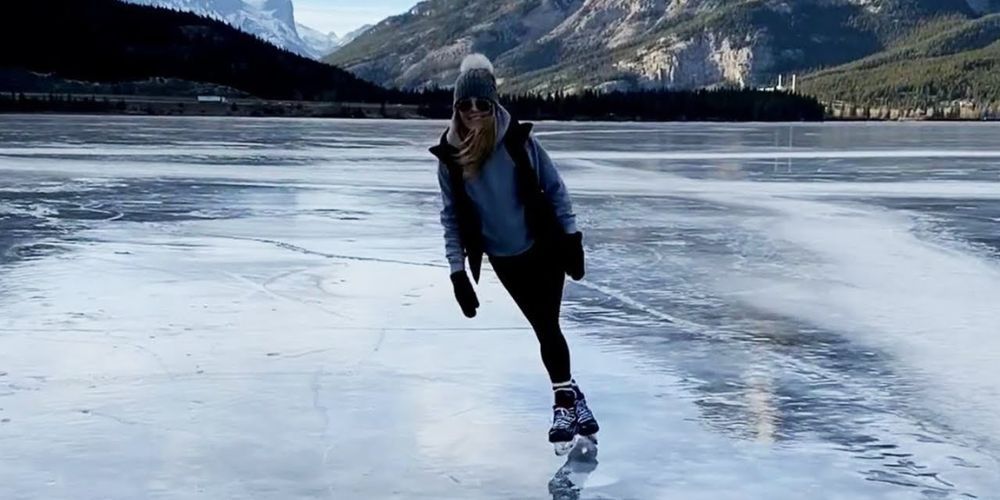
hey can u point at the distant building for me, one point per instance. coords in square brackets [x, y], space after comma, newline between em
[212, 98]
[781, 85]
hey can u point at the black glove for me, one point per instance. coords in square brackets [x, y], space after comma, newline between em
[573, 253]
[464, 293]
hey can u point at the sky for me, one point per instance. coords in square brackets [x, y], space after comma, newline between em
[344, 16]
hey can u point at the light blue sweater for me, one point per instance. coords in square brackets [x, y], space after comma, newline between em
[494, 195]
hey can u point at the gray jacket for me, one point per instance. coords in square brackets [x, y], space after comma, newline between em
[494, 194]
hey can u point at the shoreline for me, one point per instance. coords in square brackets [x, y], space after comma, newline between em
[364, 115]
[240, 107]
[131, 105]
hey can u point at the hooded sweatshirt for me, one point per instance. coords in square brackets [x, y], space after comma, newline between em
[494, 194]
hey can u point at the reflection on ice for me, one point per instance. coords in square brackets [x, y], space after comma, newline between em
[569, 481]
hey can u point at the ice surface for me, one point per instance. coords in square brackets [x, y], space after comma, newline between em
[213, 308]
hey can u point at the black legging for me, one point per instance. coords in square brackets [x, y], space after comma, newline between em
[535, 282]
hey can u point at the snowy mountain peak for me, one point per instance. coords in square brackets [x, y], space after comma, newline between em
[271, 20]
[325, 44]
[282, 10]
[319, 43]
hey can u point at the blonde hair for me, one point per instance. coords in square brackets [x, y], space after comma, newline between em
[477, 146]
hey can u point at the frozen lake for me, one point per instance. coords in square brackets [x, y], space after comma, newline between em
[214, 308]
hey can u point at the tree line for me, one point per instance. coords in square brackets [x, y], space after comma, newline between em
[725, 104]
[972, 76]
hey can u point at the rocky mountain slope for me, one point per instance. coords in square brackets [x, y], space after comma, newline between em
[560, 45]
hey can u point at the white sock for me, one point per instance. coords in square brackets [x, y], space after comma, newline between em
[563, 386]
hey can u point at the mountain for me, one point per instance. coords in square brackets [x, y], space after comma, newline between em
[114, 41]
[319, 44]
[271, 20]
[351, 36]
[564, 45]
[953, 59]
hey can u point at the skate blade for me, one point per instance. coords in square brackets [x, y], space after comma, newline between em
[563, 448]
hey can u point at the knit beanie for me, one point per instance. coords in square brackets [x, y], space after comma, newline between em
[476, 79]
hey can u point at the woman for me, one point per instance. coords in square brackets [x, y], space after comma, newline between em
[503, 197]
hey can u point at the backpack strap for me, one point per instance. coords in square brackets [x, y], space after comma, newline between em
[541, 215]
[516, 142]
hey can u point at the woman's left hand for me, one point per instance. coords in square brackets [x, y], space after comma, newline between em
[574, 256]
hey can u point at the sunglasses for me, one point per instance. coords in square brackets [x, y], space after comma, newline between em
[466, 105]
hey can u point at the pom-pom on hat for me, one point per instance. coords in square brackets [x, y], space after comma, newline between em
[476, 79]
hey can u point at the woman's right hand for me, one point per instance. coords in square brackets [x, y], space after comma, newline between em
[465, 294]
[573, 248]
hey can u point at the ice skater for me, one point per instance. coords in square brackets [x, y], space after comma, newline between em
[503, 197]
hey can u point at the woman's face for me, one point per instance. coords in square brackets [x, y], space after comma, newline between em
[475, 112]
